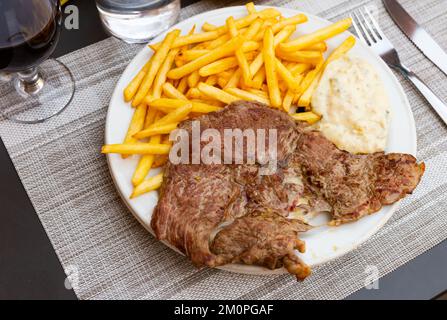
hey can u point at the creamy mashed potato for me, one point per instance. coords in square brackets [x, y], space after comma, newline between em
[355, 109]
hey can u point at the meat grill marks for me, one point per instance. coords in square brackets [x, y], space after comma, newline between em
[219, 214]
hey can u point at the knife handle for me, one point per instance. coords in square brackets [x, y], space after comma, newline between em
[437, 104]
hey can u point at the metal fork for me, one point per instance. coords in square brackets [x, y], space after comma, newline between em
[369, 31]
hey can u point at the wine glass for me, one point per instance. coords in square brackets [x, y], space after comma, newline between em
[37, 88]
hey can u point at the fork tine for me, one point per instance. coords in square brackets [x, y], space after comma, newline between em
[356, 28]
[376, 28]
[369, 27]
[365, 35]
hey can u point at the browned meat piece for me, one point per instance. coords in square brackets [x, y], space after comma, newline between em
[218, 214]
[196, 200]
[264, 238]
[354, 185]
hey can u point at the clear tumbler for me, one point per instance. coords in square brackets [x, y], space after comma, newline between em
[137, 21]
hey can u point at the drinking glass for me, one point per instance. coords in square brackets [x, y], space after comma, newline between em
[36, 89]
[137, 21]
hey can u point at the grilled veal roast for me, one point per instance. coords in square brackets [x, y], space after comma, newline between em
[219, 214]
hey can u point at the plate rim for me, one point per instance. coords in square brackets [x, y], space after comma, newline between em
[240, 268]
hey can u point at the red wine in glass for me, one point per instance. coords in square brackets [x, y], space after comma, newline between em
[29, 32]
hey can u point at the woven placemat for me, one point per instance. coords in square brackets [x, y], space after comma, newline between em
[110, 256]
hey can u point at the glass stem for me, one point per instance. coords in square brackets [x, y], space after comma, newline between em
[29, 82]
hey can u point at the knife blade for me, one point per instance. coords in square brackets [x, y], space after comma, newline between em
[421, 38]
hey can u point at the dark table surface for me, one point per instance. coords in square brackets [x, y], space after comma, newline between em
[30, 269]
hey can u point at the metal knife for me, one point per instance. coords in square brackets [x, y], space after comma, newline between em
[417, 34]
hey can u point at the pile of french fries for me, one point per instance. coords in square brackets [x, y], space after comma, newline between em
[250, 58]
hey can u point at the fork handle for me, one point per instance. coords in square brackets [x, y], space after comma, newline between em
[437, 104]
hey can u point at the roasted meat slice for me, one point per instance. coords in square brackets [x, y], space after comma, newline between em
[354, 185]
[263, 238]
[222, 213]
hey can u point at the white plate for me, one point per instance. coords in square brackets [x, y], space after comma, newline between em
[323, 243]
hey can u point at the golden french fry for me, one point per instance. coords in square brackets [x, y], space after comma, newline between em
[169, 105]
[268, 51]
[159, 57]
[258, 79]
[182, 85]
[260, 35]
[246, 95]
[193, 79]
[268, 13]
[283, 35]
[287, 76]
[145, 163]
[310, 77]
[317, 36]
[210, 103]
[299, 18]
[320, 46]
[222, 82]
[211, 80]
[151, 184]
[287, 101]
[216, 93]
[208, 27]
[212, 56]
[218, 66]
[296, 97]
[217, 42]
[244, 66]
[235, 79]
[309, 117]
[171, 92]
[192, 54]
[136, 148]
[248, 20]
[194, 93]
[160, 79]
[260, 93]
[201, 107]
[189, 55]
[151, 115]
[179, 62]
[136, 124]
[133, 86]
[189, 39]
[178, 115]
[300, 68]
[159, 129]
[282, 86]
[241, 60]
[227, 74]
[231, 26]
[341, 50]
[254, 29]
[250, 7]
[309, 57]
[336, 54]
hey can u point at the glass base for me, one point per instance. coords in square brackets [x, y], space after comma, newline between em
[39, 99]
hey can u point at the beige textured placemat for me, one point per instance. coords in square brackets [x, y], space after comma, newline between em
[109, 255]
